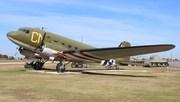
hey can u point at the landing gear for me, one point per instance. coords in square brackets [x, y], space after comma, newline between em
[29, 65]
[60, 67]
[36, 65]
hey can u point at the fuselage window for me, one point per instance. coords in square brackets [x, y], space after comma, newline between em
[69, 46]
[62, 43]
[27, 32]
[76, 48]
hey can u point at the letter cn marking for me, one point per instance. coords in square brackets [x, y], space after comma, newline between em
[36, 40]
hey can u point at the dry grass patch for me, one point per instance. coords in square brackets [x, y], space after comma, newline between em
[155, 85]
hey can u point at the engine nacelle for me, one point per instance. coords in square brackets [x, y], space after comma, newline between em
[108, 62]
[49, 52]
[28, 54]
[50, 49]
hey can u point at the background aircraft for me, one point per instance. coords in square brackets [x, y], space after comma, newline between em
[44, 46]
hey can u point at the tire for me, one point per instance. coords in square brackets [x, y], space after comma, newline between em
[60, 67]
[37, 66]
[57, 68]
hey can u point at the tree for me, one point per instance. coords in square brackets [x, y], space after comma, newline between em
[11, 58]
[0, 55]
[4, 56]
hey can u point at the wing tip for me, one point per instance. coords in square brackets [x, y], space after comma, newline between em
[172, 46]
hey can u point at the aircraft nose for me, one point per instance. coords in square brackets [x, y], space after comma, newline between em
[11, 34]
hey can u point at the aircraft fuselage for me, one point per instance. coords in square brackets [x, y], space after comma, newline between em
[31, 38]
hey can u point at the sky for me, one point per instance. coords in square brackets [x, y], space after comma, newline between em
[100, 23]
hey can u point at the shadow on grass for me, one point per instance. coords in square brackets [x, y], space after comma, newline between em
[22, 70]
[123, 75]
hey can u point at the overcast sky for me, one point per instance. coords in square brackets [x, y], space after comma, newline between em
[101, 23]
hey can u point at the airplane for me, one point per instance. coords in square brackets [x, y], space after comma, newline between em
[43, 45]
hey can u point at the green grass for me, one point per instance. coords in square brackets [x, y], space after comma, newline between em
[156, 85]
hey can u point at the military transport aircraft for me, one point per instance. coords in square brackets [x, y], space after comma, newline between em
[43, 45]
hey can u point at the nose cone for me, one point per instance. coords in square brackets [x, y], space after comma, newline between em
[11, 34]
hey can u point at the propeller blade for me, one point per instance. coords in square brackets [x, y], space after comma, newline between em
[18, 49]
[15, 54]
[42, 43]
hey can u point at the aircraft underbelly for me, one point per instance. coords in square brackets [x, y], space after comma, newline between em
[80, 58]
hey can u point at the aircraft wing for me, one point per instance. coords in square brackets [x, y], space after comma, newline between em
[98, 54]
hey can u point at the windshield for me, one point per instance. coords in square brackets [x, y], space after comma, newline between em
[24, 30]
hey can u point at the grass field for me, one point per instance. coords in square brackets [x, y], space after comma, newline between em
[153, 85]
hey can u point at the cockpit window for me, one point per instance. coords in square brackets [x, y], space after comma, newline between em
[23, 30]
[27, 31]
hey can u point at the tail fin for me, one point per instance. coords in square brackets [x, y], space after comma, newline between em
[127, 58]
[124, 44]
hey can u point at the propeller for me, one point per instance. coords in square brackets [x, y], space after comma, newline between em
[18, 49]
[42, 42]
[40, 47]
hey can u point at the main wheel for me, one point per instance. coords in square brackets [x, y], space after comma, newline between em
[60, 67]
[37, 66]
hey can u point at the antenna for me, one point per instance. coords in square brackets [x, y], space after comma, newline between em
[43, 28]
